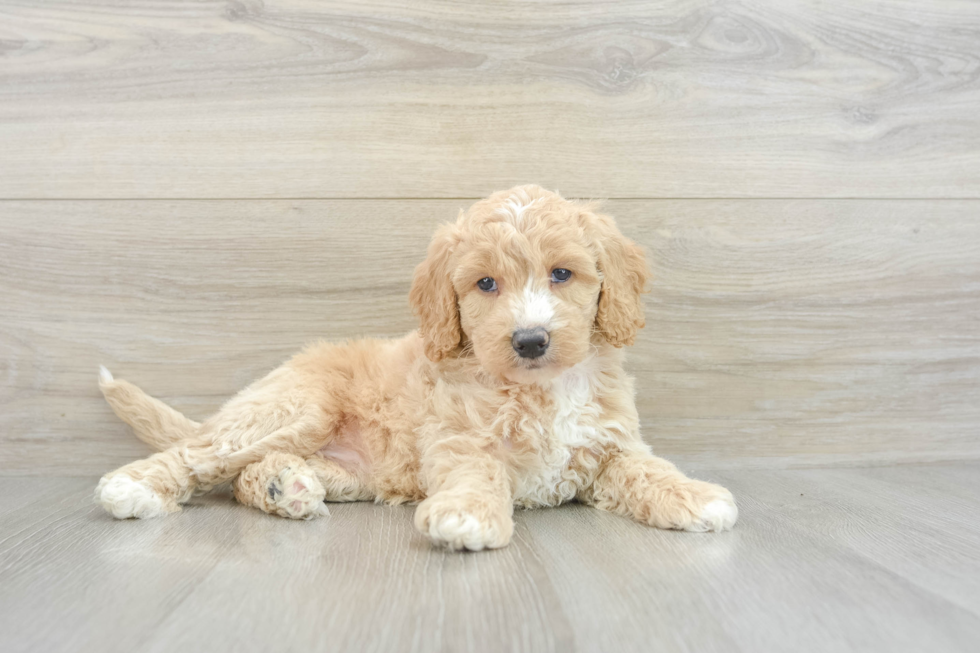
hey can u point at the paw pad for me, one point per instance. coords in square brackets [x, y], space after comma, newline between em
[297, 494]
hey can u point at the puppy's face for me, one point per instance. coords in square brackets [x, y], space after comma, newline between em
[528, 282]
[527, 286]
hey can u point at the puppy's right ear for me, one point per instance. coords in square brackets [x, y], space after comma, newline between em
[433, 297]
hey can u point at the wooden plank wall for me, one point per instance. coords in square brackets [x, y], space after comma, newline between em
[189, 191]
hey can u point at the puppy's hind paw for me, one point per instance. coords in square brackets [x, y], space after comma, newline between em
[125, 498]
[297, 493]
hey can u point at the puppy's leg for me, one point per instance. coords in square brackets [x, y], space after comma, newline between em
[281, 484]
[651, 490]
[302, 436]
[469, 504]
[150, 487]
[340, 484]
[159, 484]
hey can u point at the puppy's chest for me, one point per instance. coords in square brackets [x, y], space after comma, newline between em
[554, 449]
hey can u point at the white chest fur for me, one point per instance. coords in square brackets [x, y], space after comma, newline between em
[573, 424]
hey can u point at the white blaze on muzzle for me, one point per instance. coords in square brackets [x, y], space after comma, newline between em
[534, 307]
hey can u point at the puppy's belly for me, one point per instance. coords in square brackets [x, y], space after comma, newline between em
[348, 450]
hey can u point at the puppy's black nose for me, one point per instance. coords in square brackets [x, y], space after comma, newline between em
[530, 343]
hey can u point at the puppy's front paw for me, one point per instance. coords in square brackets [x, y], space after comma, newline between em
[462, 522]
[718, 515]
[297, 493]
[700, 507]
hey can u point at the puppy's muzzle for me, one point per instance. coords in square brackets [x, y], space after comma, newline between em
[530, 343]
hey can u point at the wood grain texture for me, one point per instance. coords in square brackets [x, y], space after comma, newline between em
[831, 558]
[828, 559]
[625, 98]
[779, 332]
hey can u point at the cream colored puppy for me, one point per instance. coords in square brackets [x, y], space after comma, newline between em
[512, 392]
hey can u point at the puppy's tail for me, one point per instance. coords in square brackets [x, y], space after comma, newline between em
[153, 421]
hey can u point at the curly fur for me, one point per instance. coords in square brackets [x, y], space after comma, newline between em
[449, 417]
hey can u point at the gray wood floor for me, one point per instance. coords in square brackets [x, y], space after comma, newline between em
[874, 559]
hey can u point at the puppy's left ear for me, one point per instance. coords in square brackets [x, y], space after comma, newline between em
[624, 271]
[433, 297]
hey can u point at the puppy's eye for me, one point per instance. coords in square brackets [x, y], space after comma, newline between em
[486, 284]
[559, 275]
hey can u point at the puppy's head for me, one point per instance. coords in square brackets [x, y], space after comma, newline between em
[528, 282]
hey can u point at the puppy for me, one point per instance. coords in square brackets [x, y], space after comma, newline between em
[511, 393]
